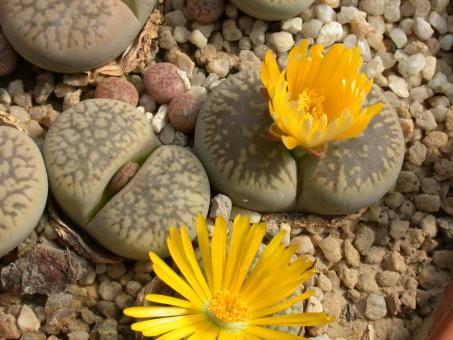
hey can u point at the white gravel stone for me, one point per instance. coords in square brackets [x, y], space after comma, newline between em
[166, 40]
[392, 10]
[364, 49]
[19, 113]
[292, 25]
[411, 65]
[422, 29]
[198, 39]
[348, 13]
[230, 31]
[245, 43]
[325, 13]
[374, 67]
[5, 98]
[350, 40]
[446, 42]
[429, 226]
[314, 305]
[427, 202]
[376, 307]
[416, 153]
[181, 34]
[430, 67]
[304, 245]
[330, 247]
[349, 277]
[160, 119]
[287, 238]
[221, 205]
[219, 66]
[399, 86]
[398, 37]
[311, 28]
[398, 229]
[438, 22]
[257, 33]
[281, 41]
[330, 33]
[373, 7]
[167, 134]
[27, 321]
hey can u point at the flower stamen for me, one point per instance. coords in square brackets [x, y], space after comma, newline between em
[229, 307]
[311, 101]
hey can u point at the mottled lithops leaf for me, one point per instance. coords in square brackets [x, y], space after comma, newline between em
[84, 148]
[23, 187]
[72, 35]
[230, 139]
[170, 188]
[354, 173]
[272, 9]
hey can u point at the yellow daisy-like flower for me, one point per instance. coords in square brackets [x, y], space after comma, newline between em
[318, 98]
[229, 298]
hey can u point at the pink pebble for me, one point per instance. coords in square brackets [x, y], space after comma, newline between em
[8, 57]
[183, 112]
[163, 83]
[205, 11]
[117, 88]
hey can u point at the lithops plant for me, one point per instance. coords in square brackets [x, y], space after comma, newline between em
[231, 141]
[23, 187]
[272, 9]
[8, 57]
[72, 35]
[83, 151]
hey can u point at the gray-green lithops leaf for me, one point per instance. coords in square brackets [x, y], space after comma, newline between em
[72, 35]
[23, 187]
[170, 188]
[86, 145]
[272, 9]
[357, 172]
[230, 139]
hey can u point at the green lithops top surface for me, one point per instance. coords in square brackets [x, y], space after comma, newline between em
[72, 35]
[170, 188]
[86, 145]
[357, 172]
[272, 9]
[230, 139]
[23, 187]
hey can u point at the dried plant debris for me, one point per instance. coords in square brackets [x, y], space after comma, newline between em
[42, 270]
[71, 238]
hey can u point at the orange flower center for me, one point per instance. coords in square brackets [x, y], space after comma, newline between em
[311, 101]
[229, 307]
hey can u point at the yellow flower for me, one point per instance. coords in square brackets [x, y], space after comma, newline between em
[230, 298]
[318, 98]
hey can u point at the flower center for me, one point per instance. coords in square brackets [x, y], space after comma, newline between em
[311, 101]
[229, 307]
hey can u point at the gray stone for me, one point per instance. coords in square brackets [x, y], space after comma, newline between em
[354, 173]
[376, 307]
[272, 10]
[47, 34]
[23, 187]
[230, 140]
[171, 188]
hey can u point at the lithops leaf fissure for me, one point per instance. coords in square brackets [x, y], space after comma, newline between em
[230, 141]
[86, 145]
[171, 188]
[357, 172]
[23, 187]
[132, 5]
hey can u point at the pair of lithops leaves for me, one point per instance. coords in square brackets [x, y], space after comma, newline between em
[73, 35]
[259, 174]
[86, 147]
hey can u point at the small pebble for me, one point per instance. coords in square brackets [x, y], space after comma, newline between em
[198, 39]
[183, 112]
[205, 11]
[221, 205]
[281, 41]
[376, 307]
[117, 88]
[27, 320]
[422, 29]
[163, 83]
[331, 249]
